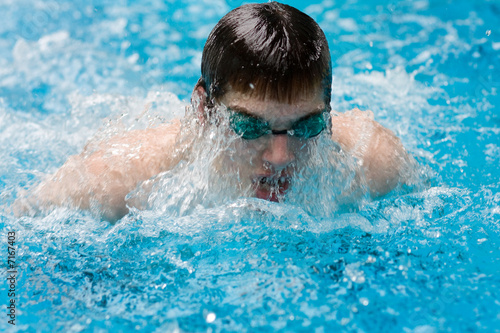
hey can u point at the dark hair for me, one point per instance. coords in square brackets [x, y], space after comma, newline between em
[269, 50]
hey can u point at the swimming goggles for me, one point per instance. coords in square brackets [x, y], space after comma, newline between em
[250, 127]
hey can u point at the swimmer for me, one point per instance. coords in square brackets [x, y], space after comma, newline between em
[268, 67]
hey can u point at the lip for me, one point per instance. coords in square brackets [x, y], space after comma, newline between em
[268, 192]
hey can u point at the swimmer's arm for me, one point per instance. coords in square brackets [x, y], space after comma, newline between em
[100, 180]
[383, 158]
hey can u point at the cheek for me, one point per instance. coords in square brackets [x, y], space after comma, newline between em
[297, 145]
[248, 153]
[242, 156]
[300, 147]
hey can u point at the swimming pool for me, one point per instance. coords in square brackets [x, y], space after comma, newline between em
[423, 261]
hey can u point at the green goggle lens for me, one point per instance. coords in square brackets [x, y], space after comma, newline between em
[309, 127]
[250, 128]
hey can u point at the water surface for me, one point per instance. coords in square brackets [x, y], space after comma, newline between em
[420, 261]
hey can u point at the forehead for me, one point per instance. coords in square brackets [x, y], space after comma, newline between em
[277, 113]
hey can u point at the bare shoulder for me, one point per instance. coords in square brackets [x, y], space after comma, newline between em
[106, 171]
[351, 127]
[162, 135]
[139, 153]
[379, 151]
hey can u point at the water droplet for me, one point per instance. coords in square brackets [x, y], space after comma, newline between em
[210, 317]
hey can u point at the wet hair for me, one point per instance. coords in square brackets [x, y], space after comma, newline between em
[269, 50]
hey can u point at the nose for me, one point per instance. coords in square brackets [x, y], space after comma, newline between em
[277, 153]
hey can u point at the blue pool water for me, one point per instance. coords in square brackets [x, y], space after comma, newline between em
[424, 261]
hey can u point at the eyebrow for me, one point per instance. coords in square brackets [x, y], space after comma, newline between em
[245, 111]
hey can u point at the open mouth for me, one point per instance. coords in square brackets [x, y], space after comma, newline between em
[271, 188]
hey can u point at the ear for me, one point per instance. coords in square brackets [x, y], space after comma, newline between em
[199, 99]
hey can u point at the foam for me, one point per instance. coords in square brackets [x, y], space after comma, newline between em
[423, 258]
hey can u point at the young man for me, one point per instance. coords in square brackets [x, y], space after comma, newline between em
[266, 78]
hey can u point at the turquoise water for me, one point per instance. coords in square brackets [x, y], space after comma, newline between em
[424, 261]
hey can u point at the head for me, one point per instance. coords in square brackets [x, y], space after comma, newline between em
[272, 62]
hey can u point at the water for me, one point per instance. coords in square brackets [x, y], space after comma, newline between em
[424, 261]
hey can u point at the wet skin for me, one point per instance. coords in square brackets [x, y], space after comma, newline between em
[269, 162]
[265, 165]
